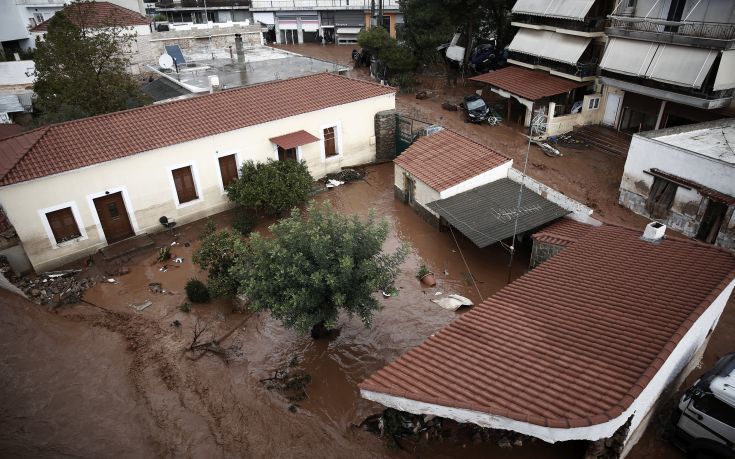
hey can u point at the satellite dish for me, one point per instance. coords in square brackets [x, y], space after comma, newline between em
[166, 61]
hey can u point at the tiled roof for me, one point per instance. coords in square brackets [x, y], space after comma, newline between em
[98, 14]
[573, 342]
[445, 159]
[294, 139]
[564, 232]
[526, 83]
[66, 146]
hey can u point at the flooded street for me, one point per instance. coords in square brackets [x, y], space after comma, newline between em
[101, 370]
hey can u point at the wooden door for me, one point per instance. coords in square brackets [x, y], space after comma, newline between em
[114, 217]
[228, 169]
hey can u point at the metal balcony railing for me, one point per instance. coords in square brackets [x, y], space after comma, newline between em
[313, 4]
[580, 69]
[587, 25]
[712, 30]
[201, 3]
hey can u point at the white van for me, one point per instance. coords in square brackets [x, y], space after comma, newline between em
[705, 418]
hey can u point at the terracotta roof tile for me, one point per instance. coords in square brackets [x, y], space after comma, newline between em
[529, 84]
[564, 232]
[573, 342]
[74, 144]
[98, 14]
[294, 139]
[445, 159]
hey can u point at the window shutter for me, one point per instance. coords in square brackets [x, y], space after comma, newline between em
[184, 182]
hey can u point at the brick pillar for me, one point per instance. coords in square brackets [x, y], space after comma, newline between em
[385, 135]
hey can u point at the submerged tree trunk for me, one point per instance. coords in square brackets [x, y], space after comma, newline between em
[319, 331]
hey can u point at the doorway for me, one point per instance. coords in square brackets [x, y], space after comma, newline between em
[113, 217]
[611, 109]
[409, 185]
[711, 222]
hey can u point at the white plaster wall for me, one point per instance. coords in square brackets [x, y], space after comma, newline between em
[486, 177]
[423, 193]
[562, 124]
[145, 178]
[579, 211]
[639, 409]
[645, 154]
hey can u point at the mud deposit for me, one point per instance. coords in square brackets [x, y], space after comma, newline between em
[101, 379]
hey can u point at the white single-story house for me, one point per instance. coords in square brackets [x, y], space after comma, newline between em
[72, 188]
[579, 348]
[685, 177]
[453, 181]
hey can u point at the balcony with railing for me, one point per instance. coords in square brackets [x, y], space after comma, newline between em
[201, 4]
[715, 34]
[275, 5]
[588, 25]
[580, 71]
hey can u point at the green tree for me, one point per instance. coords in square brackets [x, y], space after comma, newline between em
[217, 254]
[397, 58]
[82, 71]
[272, 187]
[317, 264]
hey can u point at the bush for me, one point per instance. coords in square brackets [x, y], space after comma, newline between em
[244, 222]
[196, 291]
[185, 307]
[209, 228]
[272, 187]
[217, 255]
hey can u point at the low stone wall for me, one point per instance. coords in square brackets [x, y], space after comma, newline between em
[685, 224]
[385, 135]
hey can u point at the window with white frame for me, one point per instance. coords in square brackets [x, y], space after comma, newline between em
[186, 189]
[330, 141]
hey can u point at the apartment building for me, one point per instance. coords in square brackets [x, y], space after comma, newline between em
[668, 63]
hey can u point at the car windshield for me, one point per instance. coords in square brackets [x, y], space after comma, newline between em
[475, 104]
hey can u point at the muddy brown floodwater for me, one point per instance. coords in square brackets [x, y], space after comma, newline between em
[99, 379]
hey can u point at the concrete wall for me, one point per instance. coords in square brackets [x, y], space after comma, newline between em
[579, 211]
[562, 124]
[146, 183]
[423, 193]
[689, 206]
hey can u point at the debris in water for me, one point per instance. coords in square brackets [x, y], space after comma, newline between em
[334, 183]
[289, 381]
[156, 287]
[141, 307]
[163, 268]
[178, 260]
[452, 302]
[111, 280]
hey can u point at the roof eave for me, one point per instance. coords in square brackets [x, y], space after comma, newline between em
[548, 434]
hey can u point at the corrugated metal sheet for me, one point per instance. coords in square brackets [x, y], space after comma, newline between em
[349, 18]
[487, 214]
[9, 103]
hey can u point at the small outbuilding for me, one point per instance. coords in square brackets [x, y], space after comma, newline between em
[684, 177]
[580, 348]
[444, 164]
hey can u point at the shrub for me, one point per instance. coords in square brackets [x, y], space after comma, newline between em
[217, 255]
[209, 228]
[164, 253]
[196, 291]
[272, 187]
[244, 222]
[185, 307]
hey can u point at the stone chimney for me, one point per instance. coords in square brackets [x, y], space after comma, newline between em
[654, 232]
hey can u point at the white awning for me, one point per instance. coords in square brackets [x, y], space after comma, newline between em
[349, 30]
[629, 57]
[550, 45]
[681, 65]
[567, 9]
[726, 73]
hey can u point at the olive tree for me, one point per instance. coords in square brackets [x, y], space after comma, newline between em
[316, 264]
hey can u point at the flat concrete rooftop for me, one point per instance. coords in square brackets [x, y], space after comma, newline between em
[259, 64]
[715, 139]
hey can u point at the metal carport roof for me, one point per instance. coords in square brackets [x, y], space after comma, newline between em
[487, 214]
